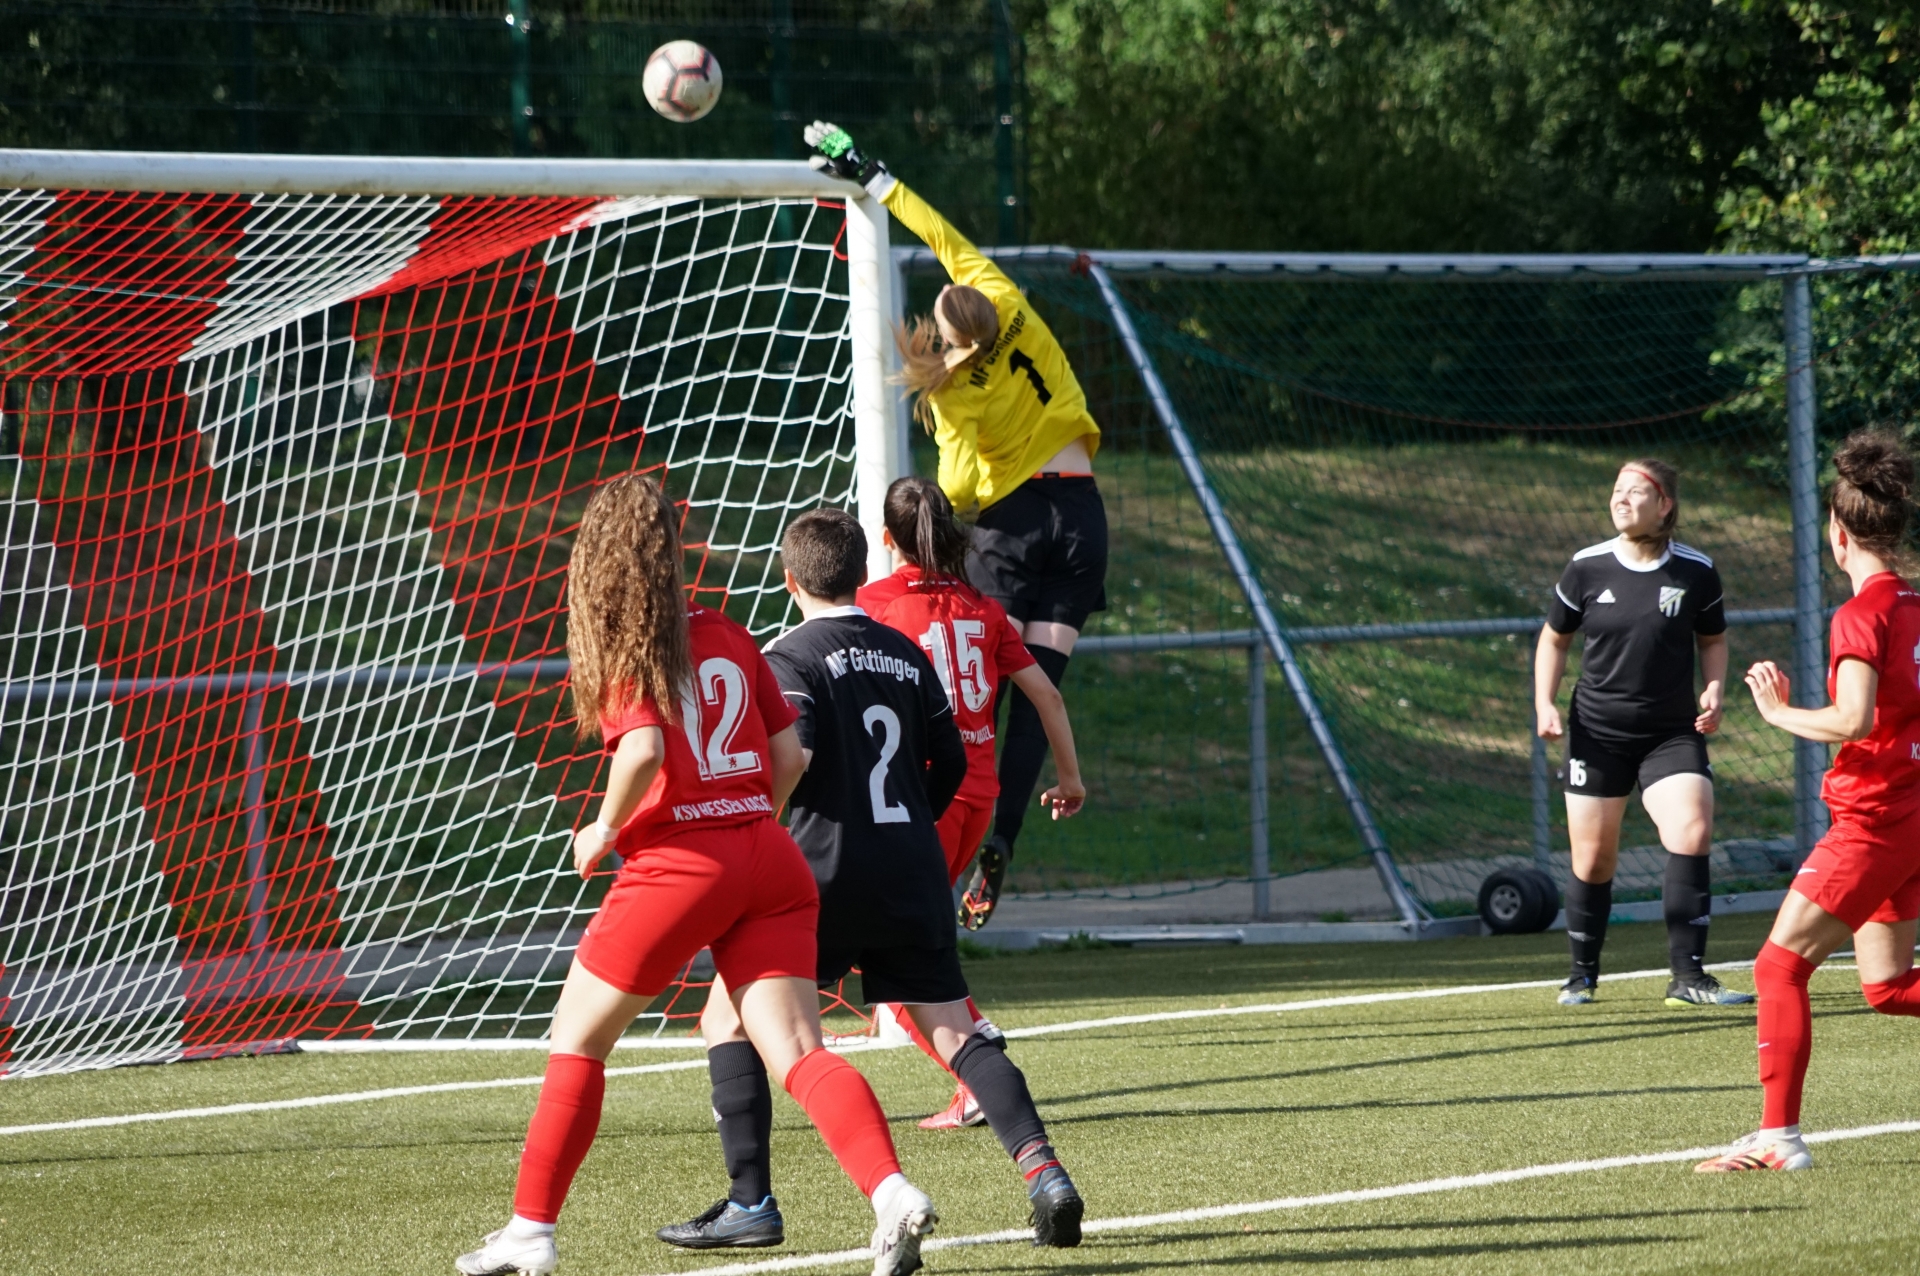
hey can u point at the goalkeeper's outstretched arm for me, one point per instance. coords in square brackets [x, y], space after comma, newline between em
[835, 153]
[994, 387]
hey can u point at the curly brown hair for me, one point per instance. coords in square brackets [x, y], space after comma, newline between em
[627, 603]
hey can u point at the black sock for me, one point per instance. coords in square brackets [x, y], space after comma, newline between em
[1588, 904]
[1000, 1089]
[1023, 749]
[1687, 896]
[743, 1105]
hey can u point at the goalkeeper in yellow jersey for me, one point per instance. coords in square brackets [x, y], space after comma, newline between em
[1017, 446]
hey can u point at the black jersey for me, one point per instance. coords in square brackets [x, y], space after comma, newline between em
[1636, 676]
[887, 759]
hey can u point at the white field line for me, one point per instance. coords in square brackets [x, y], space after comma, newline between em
[322, 1100]
[844, 1047]
[1422, 1187]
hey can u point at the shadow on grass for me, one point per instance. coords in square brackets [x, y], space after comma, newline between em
[1363, 1105]
[1360, 1065]
[1372, 1254]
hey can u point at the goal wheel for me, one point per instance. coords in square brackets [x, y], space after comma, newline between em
[1518, 901]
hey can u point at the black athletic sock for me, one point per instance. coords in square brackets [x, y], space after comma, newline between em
[743, 1106]
[1023, 749]
[1000, 1089]
[1687, 896]
[1588, 904]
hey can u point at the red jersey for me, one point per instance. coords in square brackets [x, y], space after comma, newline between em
[1877, 780]
[718, 771]
[972, 645]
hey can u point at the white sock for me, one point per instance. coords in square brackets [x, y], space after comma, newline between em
[1780, 1134]
[525, 1229]
[883, 1195]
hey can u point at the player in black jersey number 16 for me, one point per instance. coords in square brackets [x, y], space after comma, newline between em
[1647, 604]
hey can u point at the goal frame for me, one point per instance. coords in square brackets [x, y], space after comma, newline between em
[1807, 615]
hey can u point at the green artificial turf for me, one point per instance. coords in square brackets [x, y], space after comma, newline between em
[1161, 1116]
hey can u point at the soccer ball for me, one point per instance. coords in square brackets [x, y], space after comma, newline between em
[682, 81]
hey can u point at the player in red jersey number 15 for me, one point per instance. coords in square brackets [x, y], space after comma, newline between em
[1863, 880]
[973, 646]
[703, 752]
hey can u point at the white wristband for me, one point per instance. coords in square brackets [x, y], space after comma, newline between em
[607, 831]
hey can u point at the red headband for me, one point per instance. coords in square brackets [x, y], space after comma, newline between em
[1632, 469]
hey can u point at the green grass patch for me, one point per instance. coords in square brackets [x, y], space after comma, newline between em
[1152, 1117]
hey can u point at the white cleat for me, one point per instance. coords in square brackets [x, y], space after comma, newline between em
[896, 1241]
[504, 1255]
[1753, 1152]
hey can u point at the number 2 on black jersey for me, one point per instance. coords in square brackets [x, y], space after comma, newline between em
[1019, 362]
[884, 812]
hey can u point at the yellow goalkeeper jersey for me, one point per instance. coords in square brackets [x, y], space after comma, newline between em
[1017, 405]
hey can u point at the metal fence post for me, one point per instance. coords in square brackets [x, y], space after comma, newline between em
[253, 801]
[1260, 865]
[1412, 912]
[1803, 483]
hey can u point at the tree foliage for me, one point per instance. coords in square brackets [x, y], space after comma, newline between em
[1498, 125]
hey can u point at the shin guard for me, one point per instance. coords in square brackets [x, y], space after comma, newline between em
[1785, 1032]
[840, 1103]
[743, 1109]
[565, 1120]
[1000, 1089]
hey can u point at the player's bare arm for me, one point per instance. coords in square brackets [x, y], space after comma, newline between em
[1549, 667]
[1068, 794]
[636, 760]
[1849, 717]
[1713, 665]
[789, 763]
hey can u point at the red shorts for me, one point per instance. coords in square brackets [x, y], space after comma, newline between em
[746, 892]
[1862, 874]
[962, 829]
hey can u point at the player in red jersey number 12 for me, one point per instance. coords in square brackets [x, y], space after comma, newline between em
[1863, 879]
[703, 752]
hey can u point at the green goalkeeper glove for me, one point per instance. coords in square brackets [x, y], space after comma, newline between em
[835, 153]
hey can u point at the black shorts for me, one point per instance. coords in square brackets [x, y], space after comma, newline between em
[1041, 552]
[917, 976]
[1611, 769]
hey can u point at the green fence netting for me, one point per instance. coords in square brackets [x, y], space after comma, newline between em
[1392, 451]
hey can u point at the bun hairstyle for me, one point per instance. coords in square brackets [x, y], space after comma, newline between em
[923, 526]
[1872, 497]
[1667, 480]
[927, 363]
[627, 603]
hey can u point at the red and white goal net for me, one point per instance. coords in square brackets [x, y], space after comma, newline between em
[291, 451]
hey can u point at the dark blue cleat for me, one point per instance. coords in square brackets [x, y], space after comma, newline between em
[1057, 1209]
[725, 1225]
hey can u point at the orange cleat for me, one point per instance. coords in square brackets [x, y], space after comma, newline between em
[1788, 1153]
[962, 1112]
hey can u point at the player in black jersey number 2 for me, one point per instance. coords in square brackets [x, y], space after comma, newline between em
[884, 759]
[1647, 603]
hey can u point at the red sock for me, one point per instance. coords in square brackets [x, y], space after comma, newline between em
[1897, 996]
[840, 1103]
[1785, 1032]
[564, 1123]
